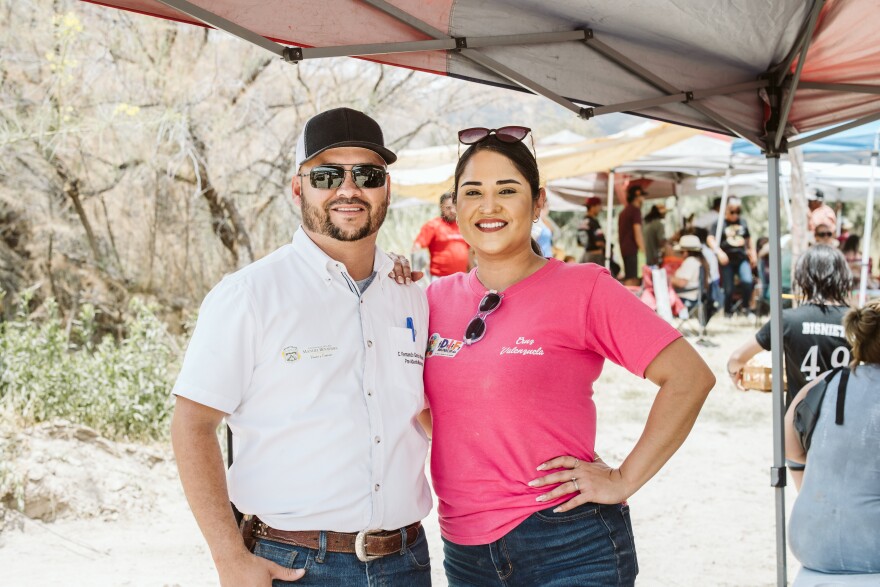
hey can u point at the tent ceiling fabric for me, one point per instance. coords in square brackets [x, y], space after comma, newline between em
[691, 45]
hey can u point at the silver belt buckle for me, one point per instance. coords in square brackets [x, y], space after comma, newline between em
[360, 546]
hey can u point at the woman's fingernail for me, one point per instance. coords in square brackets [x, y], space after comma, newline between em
[408, 281]
[557, 510]
[533, 482]
[399, 279]
[541, 498]
[542, 466]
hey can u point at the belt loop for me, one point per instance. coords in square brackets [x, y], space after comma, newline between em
[402, 540]
[322, 547]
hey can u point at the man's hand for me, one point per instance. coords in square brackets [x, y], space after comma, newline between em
[402, 272]
[248, 570]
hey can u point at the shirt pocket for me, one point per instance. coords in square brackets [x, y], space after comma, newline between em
[407, 359]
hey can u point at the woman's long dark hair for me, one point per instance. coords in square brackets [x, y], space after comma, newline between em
[823, 276]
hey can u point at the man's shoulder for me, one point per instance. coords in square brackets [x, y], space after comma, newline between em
[266, 267]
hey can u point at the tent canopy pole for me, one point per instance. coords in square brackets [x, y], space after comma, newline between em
[778, 471]
[609, 216]
[869, 221]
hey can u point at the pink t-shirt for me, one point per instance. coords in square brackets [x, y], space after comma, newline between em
[524, 393]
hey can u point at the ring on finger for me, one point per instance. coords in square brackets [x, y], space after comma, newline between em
[575, 482]
[577, 462]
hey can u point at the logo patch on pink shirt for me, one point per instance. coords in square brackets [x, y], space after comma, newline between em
[442, 347]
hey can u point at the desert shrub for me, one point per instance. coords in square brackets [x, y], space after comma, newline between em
[49, 370]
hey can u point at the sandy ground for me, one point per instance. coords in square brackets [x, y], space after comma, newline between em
[707, 519]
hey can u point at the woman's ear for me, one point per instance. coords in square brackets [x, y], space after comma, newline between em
[541, 201]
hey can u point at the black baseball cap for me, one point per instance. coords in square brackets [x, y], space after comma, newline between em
[340, 127]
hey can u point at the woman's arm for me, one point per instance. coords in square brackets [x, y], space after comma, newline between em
[685, 380]
[794, 450]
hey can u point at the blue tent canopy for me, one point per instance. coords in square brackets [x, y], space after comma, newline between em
[850, 146]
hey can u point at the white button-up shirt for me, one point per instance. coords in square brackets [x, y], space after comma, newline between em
[322, 385]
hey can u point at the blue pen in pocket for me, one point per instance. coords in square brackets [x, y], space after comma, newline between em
[411, 326]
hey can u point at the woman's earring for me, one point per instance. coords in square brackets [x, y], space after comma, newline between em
[535, 221]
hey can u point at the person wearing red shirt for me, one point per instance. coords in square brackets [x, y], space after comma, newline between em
[443, 241]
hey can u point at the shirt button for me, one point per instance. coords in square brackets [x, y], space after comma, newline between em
[378, 440]
[370, 343]
[370, 392]
[376, 487]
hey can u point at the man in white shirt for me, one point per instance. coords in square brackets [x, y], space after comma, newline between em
[314, 358]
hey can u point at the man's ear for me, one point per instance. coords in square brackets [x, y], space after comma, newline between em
[388, 189]
[296, 187]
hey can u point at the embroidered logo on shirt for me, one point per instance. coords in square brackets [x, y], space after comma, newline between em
[517, 350]
[292, 354]
[442, 347]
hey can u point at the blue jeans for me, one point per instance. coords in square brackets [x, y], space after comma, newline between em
[742, 268]
[411, 567]
[589, 545]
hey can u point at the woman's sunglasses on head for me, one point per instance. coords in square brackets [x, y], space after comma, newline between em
[330, 177]
[505, 134]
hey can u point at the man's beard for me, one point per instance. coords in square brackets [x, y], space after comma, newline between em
[318, 220]
[449, 219]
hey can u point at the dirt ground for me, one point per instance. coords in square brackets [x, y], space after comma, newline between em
[115, 515]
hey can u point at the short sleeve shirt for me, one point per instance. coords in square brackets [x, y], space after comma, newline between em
[689, 270]
[590, 235]
[629, 217]
[322, 385]
[497, 412]
[734, 239]
[813, 341]
[448, 249]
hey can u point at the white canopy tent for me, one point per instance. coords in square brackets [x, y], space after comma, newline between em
[764, 71]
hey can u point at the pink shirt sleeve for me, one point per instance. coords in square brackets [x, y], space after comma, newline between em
[623, 329]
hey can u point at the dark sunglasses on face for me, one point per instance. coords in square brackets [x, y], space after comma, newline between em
[824, 234]
[736, 211]
[330, 177]
[476, 328]
[506, 134]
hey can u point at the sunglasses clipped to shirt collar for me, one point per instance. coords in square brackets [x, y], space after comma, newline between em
[331, 177]
[476, 328]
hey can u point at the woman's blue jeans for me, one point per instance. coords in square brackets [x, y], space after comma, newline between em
[589, 545]
[743, 269]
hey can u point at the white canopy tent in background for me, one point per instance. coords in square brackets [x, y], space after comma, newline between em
[765, 71]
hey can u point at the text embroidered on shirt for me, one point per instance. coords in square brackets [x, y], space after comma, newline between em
[292, 354]
[516, 350]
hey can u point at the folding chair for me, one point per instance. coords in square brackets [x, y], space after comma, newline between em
[702, 310]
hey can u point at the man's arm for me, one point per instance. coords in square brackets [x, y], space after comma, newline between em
[200, 464]
[640, 240]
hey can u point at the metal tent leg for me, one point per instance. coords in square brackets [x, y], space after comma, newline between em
[778, 471]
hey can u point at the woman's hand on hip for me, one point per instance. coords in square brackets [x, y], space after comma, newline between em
[591, 482]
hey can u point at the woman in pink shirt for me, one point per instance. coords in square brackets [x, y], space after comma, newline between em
[515, 346]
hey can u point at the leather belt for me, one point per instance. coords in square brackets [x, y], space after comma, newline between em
[367, 544]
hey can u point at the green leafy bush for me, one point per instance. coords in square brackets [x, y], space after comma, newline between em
[51, 370]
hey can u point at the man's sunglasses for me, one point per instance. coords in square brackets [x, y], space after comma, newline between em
[824, 234]
[736, 211]
[330, 177]
[476, 328]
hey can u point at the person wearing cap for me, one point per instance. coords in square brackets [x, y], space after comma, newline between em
[820, 212]
[736, 244]
[590, 234]
[629, 230]
[314, 357]
[441, 238]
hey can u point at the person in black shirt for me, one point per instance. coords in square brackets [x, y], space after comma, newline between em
[812, 334]
[736, 242]
[590, 234]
